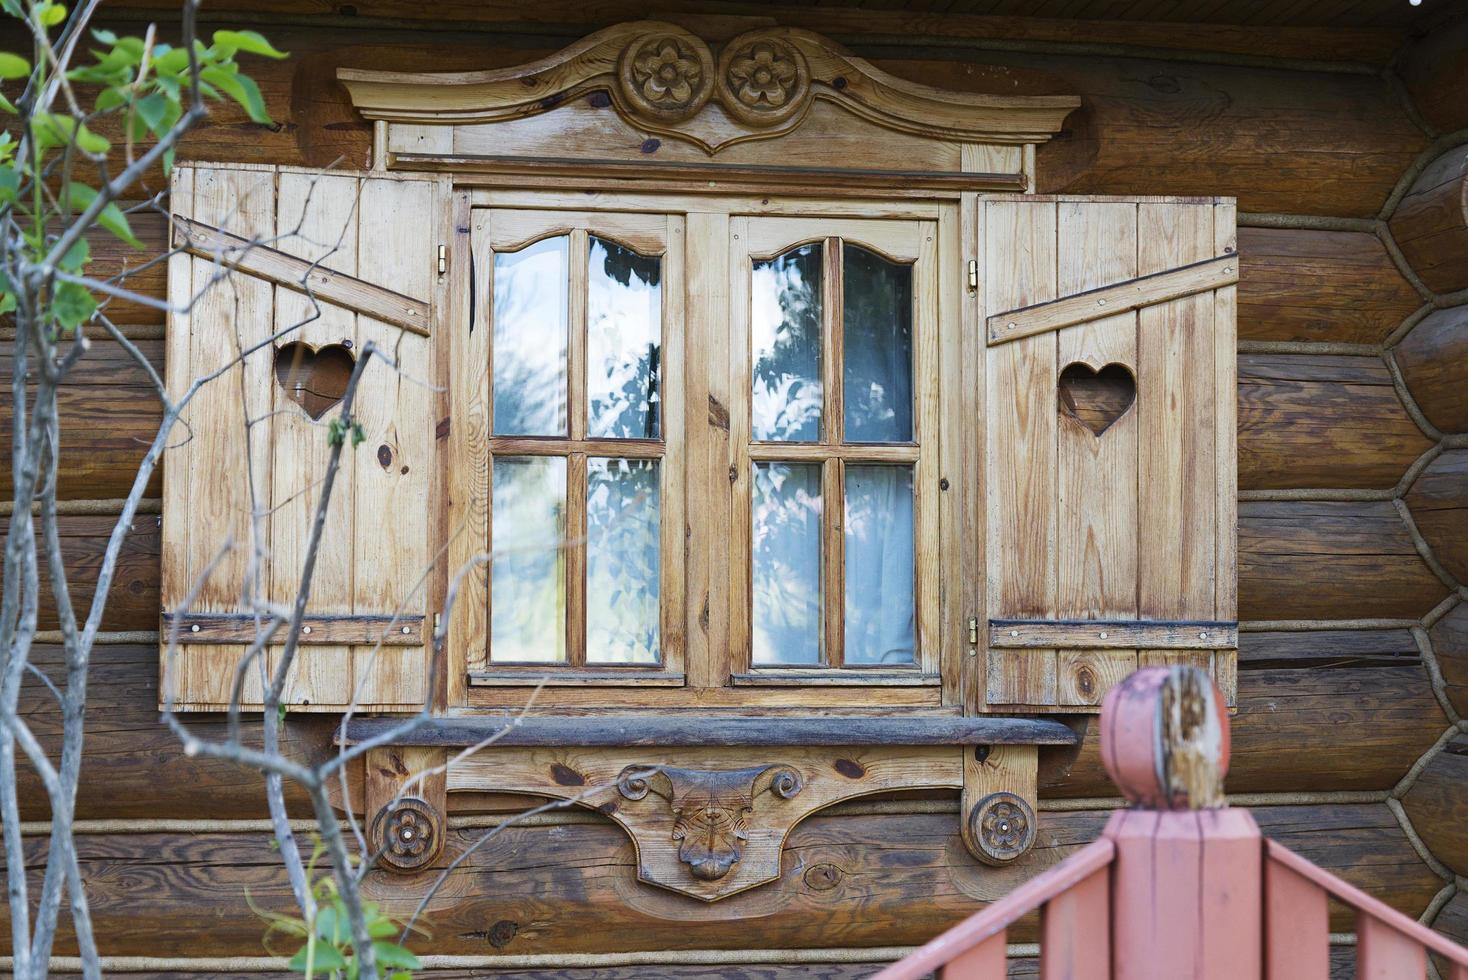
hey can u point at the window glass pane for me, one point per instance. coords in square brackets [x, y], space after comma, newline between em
[786, 578]
[879, 565]
[785, 338]
[877, 326]
[528, 575]
[530, 329]
[624, 300]
[622, 561]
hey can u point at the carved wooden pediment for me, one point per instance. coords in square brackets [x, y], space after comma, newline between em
[666, 80]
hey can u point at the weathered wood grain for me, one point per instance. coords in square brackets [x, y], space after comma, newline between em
[109, 413]
[1330, 560]
[1322, 421]
[134, 767]
[1449, 637]
[1299, 284]
[894, 879]
[1439, 504]
[1438, 804]
[1435, 70]
[1299, 729]
[1434, 363]
[1431, 223]
[133, 602]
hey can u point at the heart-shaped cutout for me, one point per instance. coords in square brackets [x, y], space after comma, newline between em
[1096, 399]
[315, 378]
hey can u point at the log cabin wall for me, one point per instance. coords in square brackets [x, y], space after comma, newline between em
[1346, 150]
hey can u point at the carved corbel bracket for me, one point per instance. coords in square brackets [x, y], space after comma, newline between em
[703, 820]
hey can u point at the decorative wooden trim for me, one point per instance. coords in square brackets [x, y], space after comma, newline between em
[285, 270]
[692, 729]
[326, 629]
[1113, 634]
[708, 178]
[660, 76]
[710, 822]
[409, 807]
[1134, 294]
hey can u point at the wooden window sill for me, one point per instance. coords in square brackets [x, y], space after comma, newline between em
[837, 677]
[704, 728]
[554, 676]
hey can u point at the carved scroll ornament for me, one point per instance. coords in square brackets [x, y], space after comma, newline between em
[662, 77]
[711, 809]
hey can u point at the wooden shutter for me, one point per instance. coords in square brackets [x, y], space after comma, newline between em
[369, 246]
[1108, 546]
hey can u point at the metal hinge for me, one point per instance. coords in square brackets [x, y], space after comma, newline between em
[973, 631]
[973, 274]
[443, 259]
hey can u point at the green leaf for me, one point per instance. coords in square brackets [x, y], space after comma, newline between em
[110, 98]
[72, 305]
[391, 954]
[171, 62]
[80, 197]
[7, 303]
[77, 256]
[13, 65]
[400, 975]
[250, 42]
[9, 184]
[326, 959]
[382, 928]
[12, 7]
[242, 89]
[54, 129]
[104, 37]
[153, 109]
[50, 14]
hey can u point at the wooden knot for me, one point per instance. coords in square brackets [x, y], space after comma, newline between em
[1165, 739]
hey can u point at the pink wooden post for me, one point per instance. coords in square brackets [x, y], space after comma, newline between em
[1186, 883]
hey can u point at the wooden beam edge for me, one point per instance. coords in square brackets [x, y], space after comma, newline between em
[1125, 634]
[1122, 297]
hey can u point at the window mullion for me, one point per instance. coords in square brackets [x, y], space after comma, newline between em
[833, 428]
[575, 559]
[833, 572]
[576, 341]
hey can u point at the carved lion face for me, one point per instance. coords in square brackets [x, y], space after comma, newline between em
[712, 833]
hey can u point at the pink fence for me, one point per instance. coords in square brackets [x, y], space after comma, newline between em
[1180, 886]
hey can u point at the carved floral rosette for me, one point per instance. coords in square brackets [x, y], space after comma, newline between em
[1003, 825]
[763, 79]
[408, 835]
[667, 76]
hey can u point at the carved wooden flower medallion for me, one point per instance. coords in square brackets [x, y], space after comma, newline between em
[666, 77]
[408, 835]
[1004, 826]
[763, 79]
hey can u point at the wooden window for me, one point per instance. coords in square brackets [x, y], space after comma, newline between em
[832, 350]
[583, 433]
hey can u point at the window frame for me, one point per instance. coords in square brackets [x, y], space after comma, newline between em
[715, 670]
[905, 241]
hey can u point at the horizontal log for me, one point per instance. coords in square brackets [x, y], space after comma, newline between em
[133, 601]
[134, 768]
[1430, 225]
[1330, 560]
[1340, 287]
[893, 879]
[1439, 504]
[1435, 70]
[701, 728]
[1306, 728]
[109, 413]
[1449, 637]
[1322, 421]
[1437, 803]
[1114, 634]
[1434, 362]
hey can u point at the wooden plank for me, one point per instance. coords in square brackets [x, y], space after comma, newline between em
[704, 728]
[1075, 931]
[251, 256]
[1176, 374]
[1146, 290]
[1229, 904]
[317, 221]
[1018, 267]
[317, 629]
[1225, 448]
[1155, 885]
[986, 961]
[1383, 953]
[1296, 926]
[1112, 634]
[403, 220]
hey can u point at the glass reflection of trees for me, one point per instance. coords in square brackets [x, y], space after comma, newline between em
[623, 367]
[786, 579]
[876, 299]
[785, 337]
